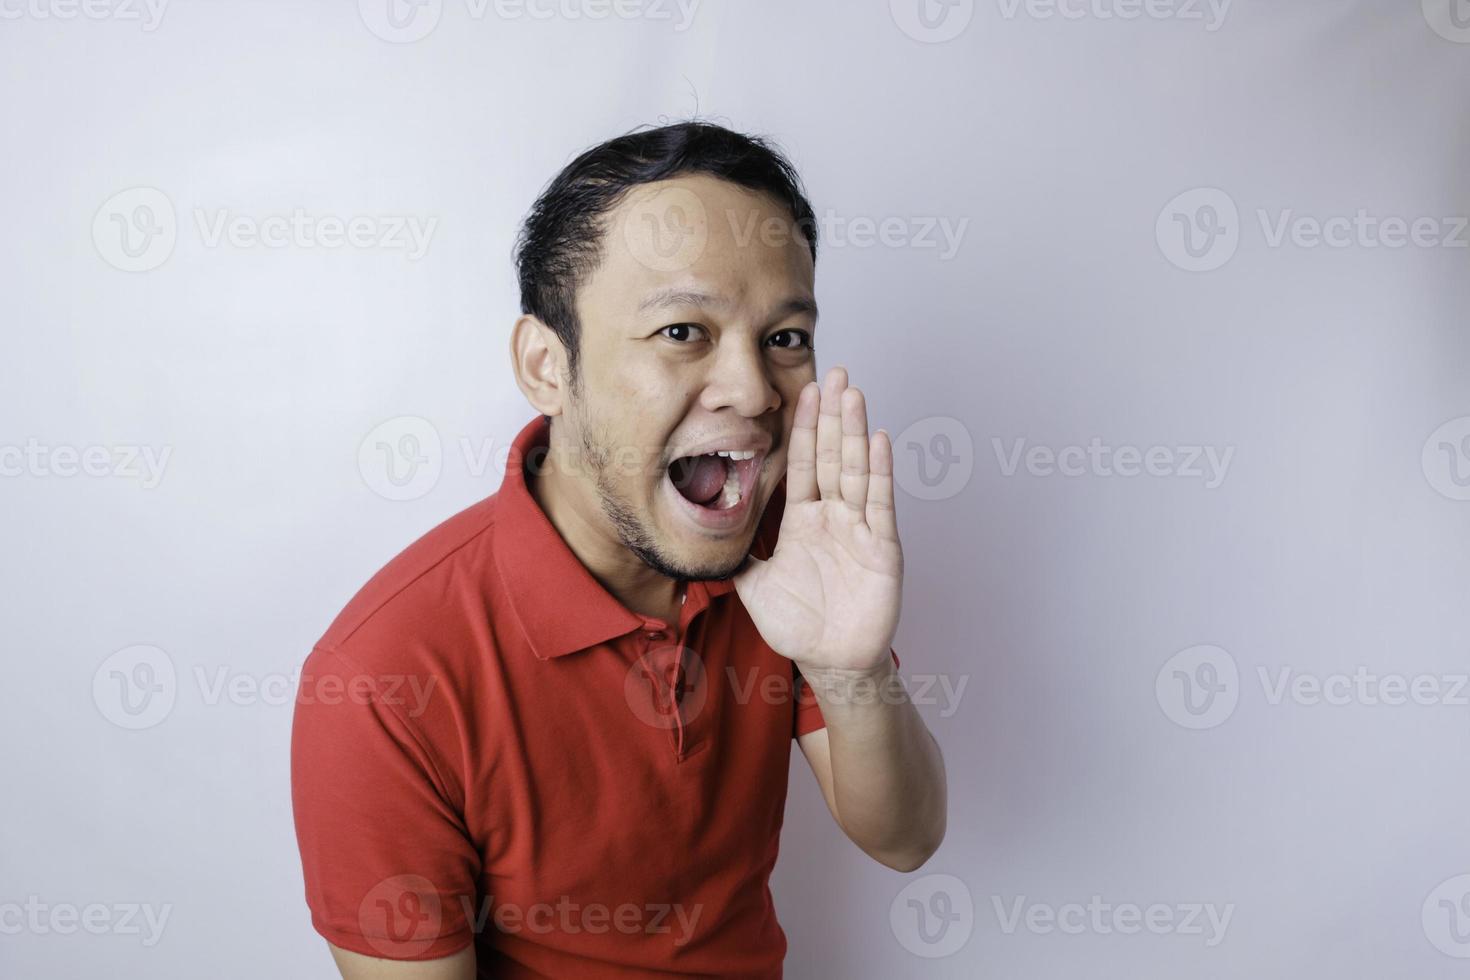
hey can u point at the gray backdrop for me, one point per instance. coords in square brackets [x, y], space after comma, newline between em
[1163, 302]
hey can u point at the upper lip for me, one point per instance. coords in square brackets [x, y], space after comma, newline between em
[758, 441]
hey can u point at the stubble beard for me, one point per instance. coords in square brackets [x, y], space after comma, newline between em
[636, 534]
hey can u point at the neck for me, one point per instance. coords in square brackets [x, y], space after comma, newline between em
[572, 507]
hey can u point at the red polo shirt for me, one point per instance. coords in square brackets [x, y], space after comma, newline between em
[489, 747]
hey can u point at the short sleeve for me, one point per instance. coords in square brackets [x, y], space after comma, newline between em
[808, 713]
[389, 867]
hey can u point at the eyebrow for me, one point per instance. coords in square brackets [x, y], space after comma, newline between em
[664, 298]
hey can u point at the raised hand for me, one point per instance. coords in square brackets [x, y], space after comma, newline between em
[830, 595]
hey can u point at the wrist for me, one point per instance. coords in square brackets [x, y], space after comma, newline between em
[875, 684]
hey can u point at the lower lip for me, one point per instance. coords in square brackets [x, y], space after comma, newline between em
[712, 520]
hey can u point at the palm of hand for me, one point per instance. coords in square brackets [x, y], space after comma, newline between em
[830, 595]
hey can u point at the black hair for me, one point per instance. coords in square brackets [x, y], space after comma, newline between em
[560, 242]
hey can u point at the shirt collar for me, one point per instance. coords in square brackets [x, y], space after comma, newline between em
[561, 607]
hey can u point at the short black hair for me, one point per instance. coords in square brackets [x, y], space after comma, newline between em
[560, 241]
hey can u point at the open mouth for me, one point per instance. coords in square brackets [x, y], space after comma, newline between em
[716, 482]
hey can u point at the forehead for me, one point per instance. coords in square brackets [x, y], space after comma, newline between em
[697, 233]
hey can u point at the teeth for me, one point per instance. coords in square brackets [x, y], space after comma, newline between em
[730, 495]
[736, 453]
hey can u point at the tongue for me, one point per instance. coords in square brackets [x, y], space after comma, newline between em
[699, 478]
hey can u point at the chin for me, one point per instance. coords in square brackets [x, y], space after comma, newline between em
[711, 569]
[702, 553]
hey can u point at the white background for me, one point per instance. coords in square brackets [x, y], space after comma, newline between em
[1070, 312]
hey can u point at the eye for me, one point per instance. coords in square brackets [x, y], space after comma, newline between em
[684, 332]
[791, 340]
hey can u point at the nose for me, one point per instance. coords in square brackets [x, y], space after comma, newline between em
[740, 379]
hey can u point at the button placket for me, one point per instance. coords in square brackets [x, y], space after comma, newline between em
[673, 678]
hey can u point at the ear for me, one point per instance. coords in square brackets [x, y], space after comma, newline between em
[539, 361]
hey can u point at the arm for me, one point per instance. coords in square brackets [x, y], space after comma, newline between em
[355, 966]
[829, 598]
[879, 769]
[386, 859]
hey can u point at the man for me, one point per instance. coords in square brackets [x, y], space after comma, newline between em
[551, 738]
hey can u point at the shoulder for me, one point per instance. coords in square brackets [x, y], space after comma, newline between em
[424, 592]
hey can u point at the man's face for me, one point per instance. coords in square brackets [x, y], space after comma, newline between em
[695, 337]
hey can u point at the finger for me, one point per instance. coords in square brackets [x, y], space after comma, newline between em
[854, 479]
[801, 455]
[829, 434]
[881, 518]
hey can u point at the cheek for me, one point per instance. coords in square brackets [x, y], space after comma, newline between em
[645, 423]
[654, 408]
[648, 397]
[633, 463]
